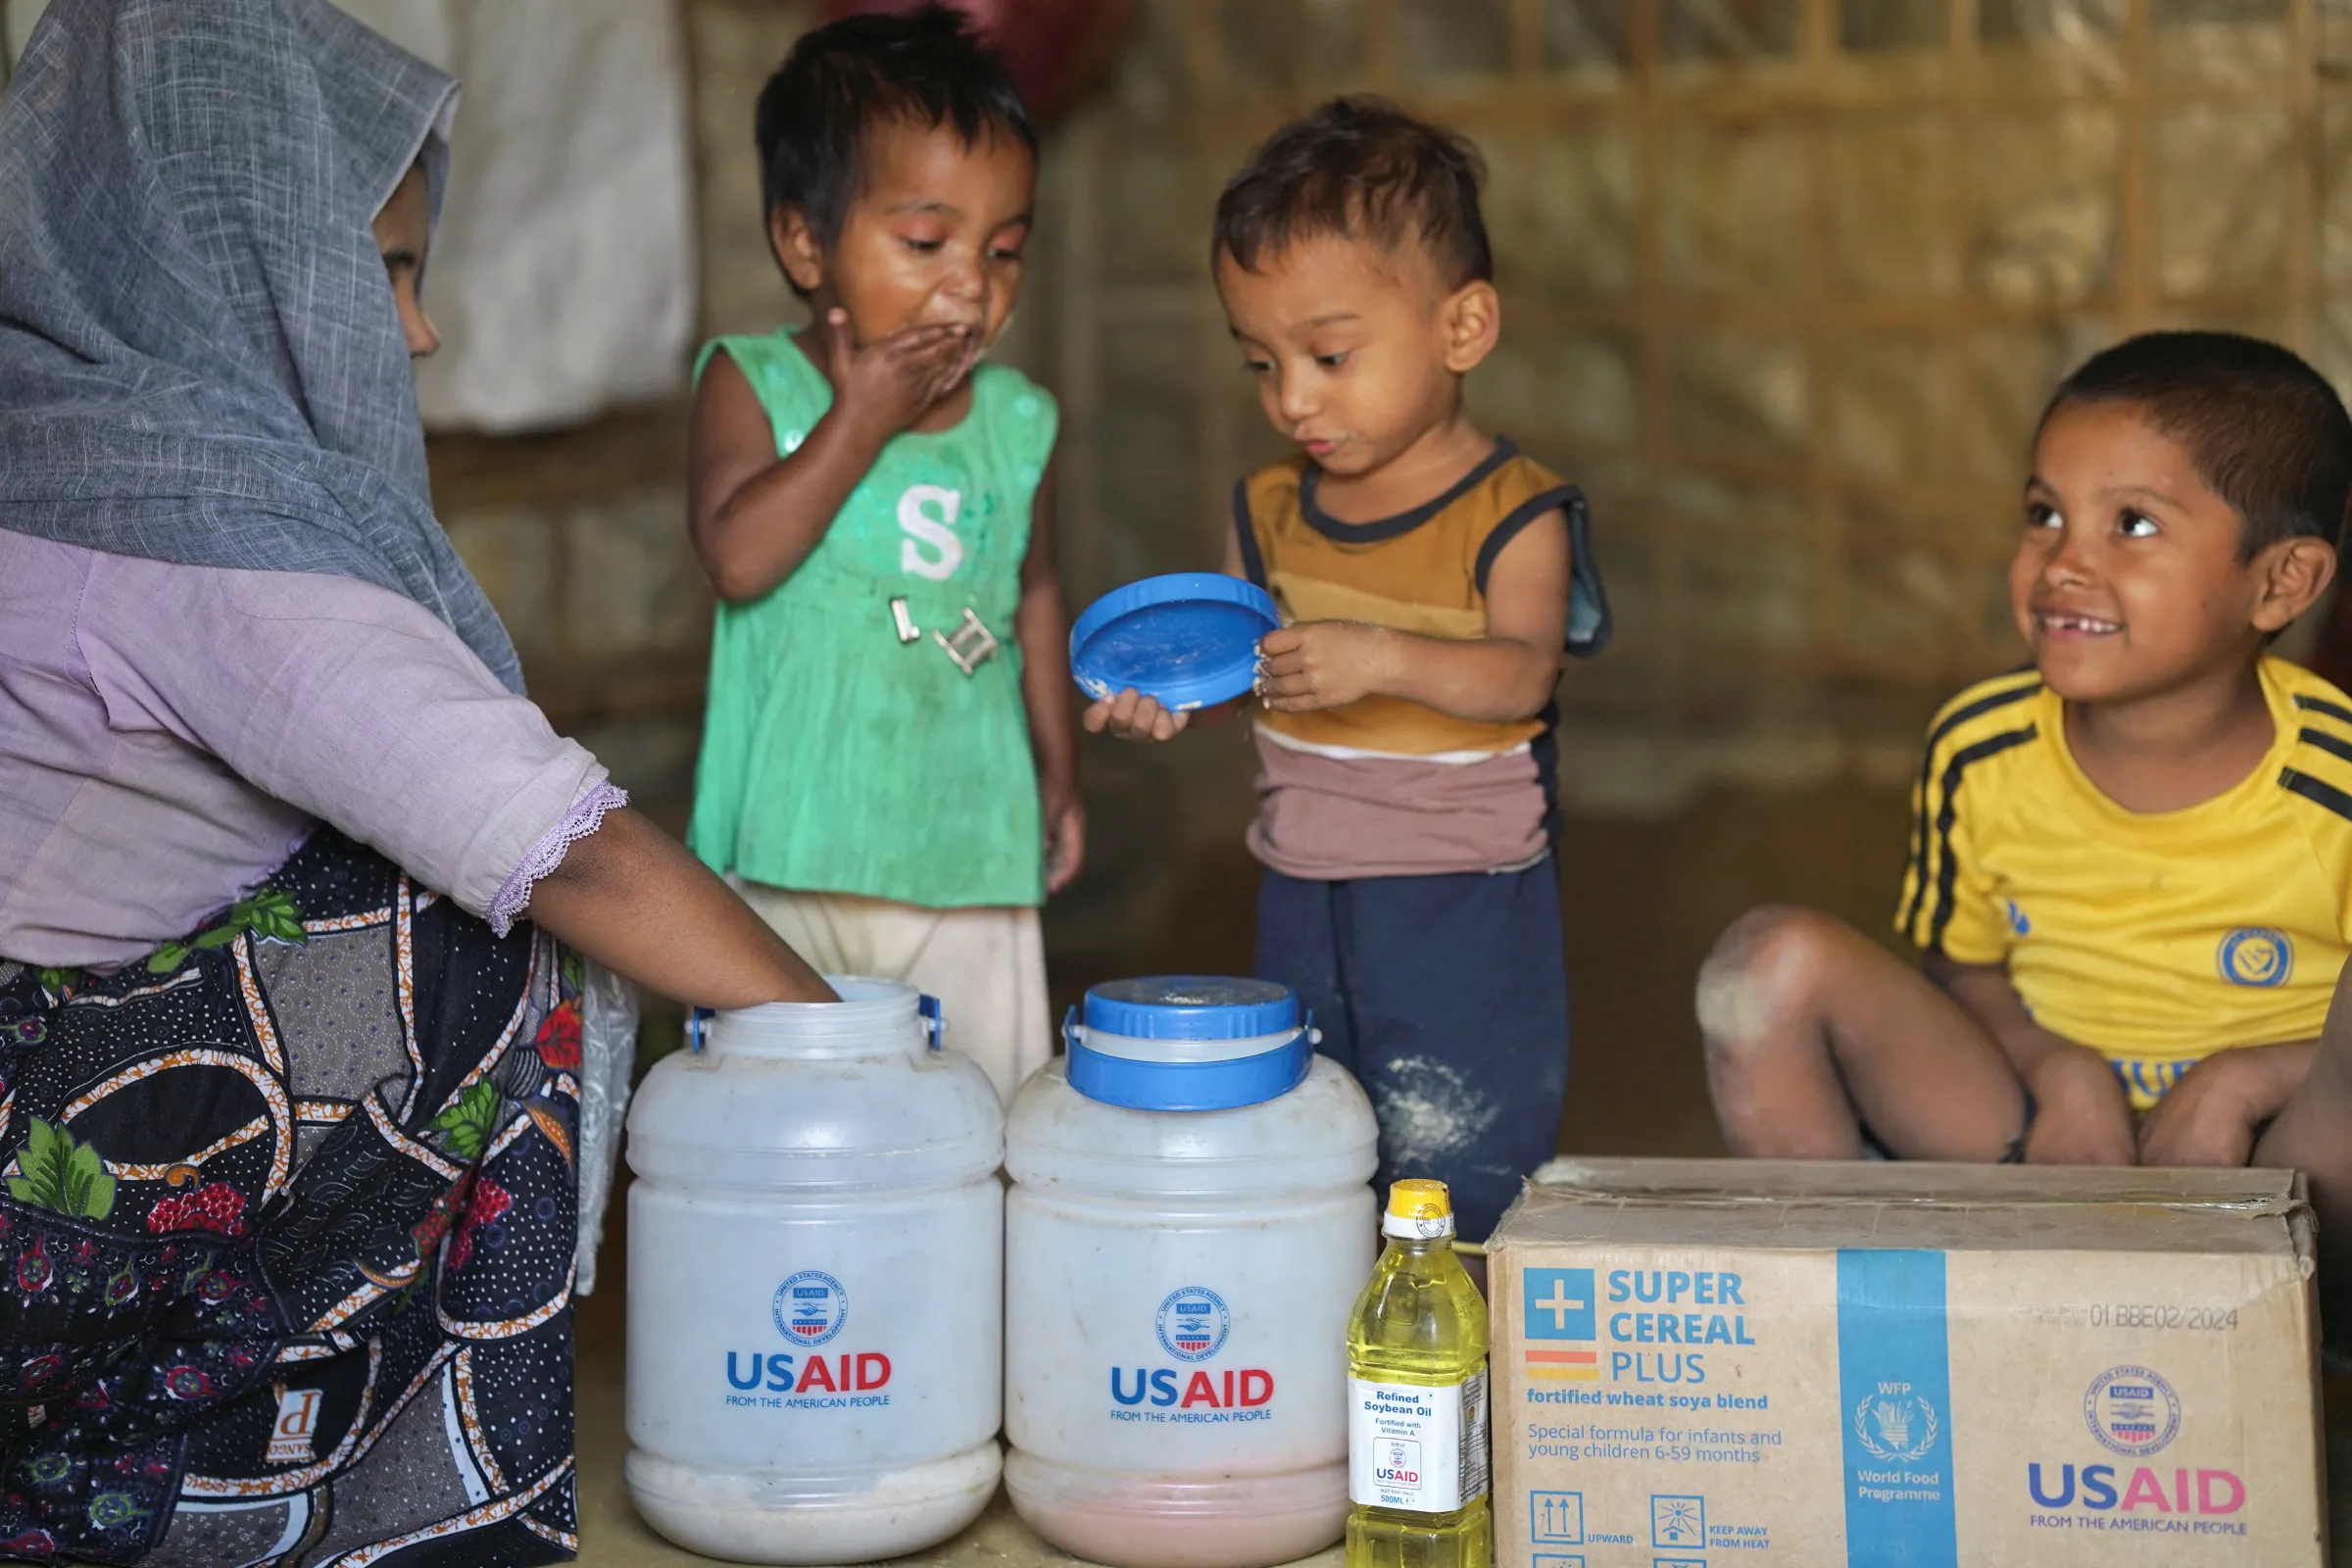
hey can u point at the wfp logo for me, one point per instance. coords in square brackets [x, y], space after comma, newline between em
[1193, 1323]
[1896, 1423]
[810, 1307]
[1558, 1304]
[2256, 955]
[2132, 1410]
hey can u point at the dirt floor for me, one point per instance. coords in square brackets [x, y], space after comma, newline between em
[1641, 903]
[1644, 903]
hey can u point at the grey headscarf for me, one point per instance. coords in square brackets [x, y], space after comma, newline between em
[200, 360]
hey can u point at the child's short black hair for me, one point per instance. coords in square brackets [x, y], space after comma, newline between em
[927, 67]
[2267, 434]
[1363, 169]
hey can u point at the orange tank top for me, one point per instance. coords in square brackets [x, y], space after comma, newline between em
[1386, 787]
[1423, 570]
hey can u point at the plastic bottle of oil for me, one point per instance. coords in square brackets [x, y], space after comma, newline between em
[1417, 1397]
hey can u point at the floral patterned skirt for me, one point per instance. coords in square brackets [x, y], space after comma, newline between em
[287, 1235]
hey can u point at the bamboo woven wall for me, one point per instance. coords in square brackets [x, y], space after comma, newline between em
[1784, 283]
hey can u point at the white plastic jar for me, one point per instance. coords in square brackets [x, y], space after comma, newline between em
[1187, 1230]
[816, 1282]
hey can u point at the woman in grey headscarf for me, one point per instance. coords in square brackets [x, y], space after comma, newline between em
[289, 1048]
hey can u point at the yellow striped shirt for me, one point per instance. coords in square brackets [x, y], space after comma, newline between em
[2155, 939]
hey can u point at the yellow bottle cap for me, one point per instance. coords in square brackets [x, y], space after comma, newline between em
[1418, 1211]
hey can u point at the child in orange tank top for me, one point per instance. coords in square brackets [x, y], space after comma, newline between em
[1430, 577]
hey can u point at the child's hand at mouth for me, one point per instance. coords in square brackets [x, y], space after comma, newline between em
[890, 384]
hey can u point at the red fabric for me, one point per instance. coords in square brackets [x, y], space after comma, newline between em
[558, 1042]
[214, 1206]
[1051, 48]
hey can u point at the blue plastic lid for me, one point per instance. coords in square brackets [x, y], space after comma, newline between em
[1192, 1007]
[1188, 639]
[1182, 1042]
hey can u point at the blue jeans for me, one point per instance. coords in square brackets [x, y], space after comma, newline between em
[1447, 998]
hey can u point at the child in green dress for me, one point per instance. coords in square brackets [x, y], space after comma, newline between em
[887, 771]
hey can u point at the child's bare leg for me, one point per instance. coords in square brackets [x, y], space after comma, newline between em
[2314, 1135]
[1815, 1032]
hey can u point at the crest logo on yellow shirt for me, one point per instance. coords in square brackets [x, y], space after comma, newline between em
[2256, 955]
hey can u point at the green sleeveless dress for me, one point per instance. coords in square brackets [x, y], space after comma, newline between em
[839, 754]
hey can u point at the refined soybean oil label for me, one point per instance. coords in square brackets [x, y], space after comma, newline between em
[1415, 1447]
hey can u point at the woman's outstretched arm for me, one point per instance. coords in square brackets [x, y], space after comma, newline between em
[359, 708]
[631, 898]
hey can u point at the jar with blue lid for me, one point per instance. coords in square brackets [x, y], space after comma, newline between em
[1188, 1223]
[817, 1215]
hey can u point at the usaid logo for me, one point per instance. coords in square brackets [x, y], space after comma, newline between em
[1396, 1465]
[810, 1307]
[2132, 1410]
[1193, 1323]
[1558, 1304]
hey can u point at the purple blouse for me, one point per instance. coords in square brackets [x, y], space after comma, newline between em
[170, 734]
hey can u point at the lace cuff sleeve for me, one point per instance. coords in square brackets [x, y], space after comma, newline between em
[586, 816]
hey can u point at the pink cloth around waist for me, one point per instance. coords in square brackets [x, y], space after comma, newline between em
[1328, 818]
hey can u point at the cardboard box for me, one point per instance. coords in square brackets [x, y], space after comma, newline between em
[1736, 1364]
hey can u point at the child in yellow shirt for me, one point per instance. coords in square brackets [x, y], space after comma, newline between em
[2132, 862]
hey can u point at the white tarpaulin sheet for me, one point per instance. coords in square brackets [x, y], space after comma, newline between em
[563, 275]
